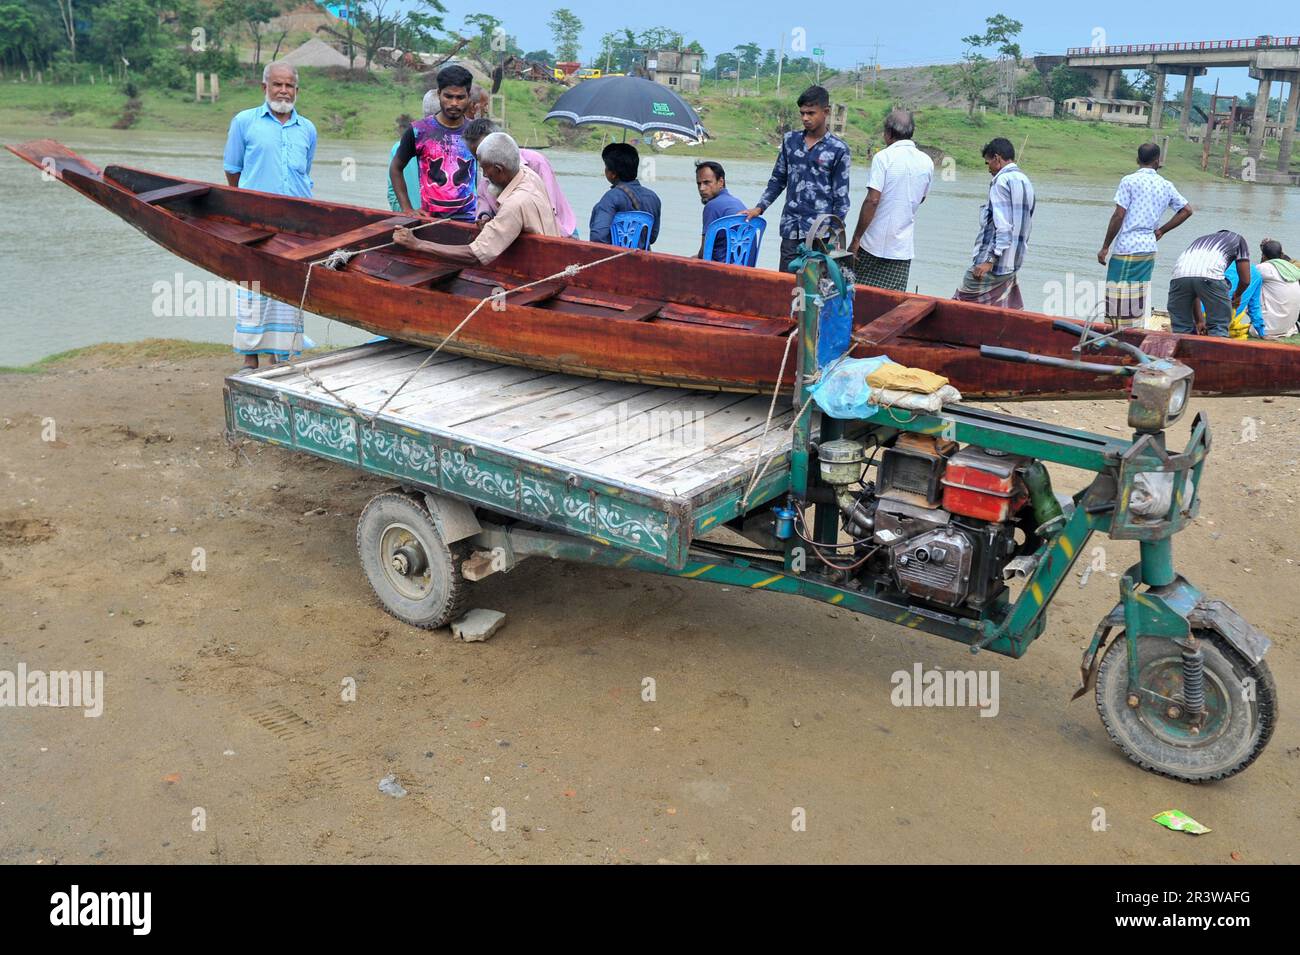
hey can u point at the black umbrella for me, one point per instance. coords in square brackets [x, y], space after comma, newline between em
[632, 102]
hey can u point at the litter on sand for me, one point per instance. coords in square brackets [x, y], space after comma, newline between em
[1179, 821]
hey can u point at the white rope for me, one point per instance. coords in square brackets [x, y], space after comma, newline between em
[808, 383]
[771, 409]
[744, 501]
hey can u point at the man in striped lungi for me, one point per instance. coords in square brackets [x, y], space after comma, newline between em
[1140, 203]
[270, 148]
[1005, 223]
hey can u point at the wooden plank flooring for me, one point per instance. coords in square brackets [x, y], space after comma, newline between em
[669, 442]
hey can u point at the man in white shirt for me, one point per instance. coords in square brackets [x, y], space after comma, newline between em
[1279, 294]
[898, 182]
[1141, 201]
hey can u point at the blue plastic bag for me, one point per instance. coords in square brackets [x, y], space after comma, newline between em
[843, 391]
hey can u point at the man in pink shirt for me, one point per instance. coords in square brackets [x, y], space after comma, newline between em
[474, 134]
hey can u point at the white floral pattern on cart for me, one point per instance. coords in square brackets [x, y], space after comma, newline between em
[337, 434]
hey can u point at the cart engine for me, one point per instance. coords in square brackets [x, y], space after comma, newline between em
[939, 521]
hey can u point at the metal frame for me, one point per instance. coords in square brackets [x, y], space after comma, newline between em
[589, 518]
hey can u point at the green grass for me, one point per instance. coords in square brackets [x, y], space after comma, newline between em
[116, 354]
[119, 354]
[742, 127]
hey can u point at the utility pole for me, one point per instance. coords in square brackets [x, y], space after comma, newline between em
[779, 60]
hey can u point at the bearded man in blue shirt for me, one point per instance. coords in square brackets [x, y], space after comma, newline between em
[270, 149]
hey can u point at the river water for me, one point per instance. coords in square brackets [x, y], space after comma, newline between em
[72, 274]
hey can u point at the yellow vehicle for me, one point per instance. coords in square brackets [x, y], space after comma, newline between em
[588, 73]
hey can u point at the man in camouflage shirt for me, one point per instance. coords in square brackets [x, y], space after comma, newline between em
[813, 170]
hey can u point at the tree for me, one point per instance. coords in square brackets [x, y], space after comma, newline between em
[377, 23]
[565, 29]
[1143, 89]
[968, 80]
[748, 54]
[346, 32]
[1065, 83]
[421, 28]
[69, 19]
[769, 63]
[20, 37]
[486, 25]
[1000, 34]
[660, 38]
[540, 56]
[127, 30]
[609, 46]
[254, 15]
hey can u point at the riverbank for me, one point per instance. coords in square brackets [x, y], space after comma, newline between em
[222, 675]
[366, 106]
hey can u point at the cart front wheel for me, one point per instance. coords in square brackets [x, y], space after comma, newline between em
[414, 573]
[1239, 711]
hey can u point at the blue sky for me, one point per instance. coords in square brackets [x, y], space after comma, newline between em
[909, 34]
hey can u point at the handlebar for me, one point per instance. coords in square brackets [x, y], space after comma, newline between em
[1126, 347]
[1095, 368]
[1028, 358]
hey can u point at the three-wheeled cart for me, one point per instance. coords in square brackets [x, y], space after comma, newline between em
[959, 532]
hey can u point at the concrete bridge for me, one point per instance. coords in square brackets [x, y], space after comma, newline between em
[1270, 59]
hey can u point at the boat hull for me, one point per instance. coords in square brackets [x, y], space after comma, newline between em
[646, 317]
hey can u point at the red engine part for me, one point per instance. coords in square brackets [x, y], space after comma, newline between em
[983, 485]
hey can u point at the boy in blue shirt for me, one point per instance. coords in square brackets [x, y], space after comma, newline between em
[626, 194]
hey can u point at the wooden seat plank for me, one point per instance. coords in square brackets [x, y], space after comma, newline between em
[895, 322]
[230, 231]
[182, 190]
[762, 325]
[399, 272]
[536, 294]
[318, 248]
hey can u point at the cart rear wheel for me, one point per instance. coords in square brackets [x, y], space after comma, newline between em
[1240, 708]
[414, 573]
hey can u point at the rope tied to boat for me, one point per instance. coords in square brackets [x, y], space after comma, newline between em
[831, 287]
[338, 258]
[811, 380]
[341, 257]
[496, 296]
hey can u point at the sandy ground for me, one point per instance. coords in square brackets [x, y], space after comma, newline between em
[223, 686]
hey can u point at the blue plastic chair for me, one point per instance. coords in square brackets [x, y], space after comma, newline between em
[744, 236]
[631, 230]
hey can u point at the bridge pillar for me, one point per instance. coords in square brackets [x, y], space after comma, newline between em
[1260, 118]
[1288, 126]
[1158, 101]
[1112, 83]
[1185, 119]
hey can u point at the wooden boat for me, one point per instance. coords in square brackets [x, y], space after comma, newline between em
[647, 317]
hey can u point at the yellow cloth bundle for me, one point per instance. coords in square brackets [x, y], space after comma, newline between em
[901, 378]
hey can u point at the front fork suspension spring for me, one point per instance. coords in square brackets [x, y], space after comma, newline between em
[1193, 678]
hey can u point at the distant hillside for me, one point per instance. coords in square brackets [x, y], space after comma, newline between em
[358, 105]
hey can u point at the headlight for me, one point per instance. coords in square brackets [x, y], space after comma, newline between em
[1182, 390]
[1158, 395]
